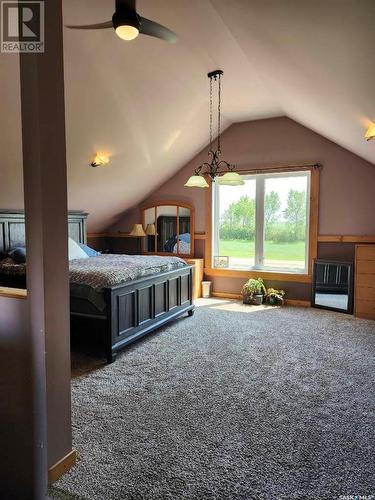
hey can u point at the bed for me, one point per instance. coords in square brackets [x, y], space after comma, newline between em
[120, 298]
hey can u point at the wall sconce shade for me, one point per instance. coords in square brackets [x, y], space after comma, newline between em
[150, 230]
[370, 134]
[137, 231]
[99, 160]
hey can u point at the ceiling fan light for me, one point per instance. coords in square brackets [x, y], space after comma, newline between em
[127, 32]
[197, 181]
[231, 179]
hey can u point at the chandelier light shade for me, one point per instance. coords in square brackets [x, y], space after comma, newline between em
[197, 181]
[214, 168]
[137, 231]
[370, 134]
[231, 179]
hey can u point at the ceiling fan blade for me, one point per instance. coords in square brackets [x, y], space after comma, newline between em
[125, 4]
[99, 26]
[151, 28]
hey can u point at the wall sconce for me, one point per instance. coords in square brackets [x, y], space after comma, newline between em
[370, 134]
[100, 160]
[137, 231]
[150, 230]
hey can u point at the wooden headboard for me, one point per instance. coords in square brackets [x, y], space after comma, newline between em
[12, 228]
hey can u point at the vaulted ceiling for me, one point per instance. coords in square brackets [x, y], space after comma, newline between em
[145, 102]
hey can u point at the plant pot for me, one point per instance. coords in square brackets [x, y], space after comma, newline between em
[272, 301]
[255, 300]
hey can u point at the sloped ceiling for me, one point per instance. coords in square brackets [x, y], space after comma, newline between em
[145, 102]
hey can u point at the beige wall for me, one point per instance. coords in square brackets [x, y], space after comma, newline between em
[347, 182]
[11, 178]
[346, 185]
[17, 413]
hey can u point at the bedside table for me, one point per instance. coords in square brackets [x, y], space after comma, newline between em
[197, 276]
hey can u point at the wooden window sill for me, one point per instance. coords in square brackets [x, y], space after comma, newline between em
[270, 275]
[13, 293]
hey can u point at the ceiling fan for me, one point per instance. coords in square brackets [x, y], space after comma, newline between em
[128, 24]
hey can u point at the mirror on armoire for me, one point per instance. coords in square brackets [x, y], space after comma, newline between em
[169, 228]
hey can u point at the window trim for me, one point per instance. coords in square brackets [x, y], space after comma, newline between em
[312, 223]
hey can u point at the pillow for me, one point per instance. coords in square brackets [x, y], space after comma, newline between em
[185, 237]
[90, 251]
[75, 251]
[18, 254]
[3, 255]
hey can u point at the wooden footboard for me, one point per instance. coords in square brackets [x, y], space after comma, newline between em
[141, 306]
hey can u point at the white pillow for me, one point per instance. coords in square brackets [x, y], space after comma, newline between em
[75, 251]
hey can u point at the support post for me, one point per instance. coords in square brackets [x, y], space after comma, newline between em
[45, 189]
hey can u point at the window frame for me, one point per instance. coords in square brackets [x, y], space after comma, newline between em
[312, 207]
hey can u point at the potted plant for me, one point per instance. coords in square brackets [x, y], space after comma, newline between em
[253, 291]
[274, 297]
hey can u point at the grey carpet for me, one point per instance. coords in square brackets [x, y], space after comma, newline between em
[236, 402]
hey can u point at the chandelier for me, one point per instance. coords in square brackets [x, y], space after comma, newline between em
[213, 169]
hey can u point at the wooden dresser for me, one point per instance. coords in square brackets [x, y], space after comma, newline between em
[197, 276]
[364, 293]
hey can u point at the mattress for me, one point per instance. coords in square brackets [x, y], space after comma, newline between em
[107, 271]
[88, 277]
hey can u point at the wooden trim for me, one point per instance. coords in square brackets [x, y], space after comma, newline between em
[203, 236]
[13, 293]
[346, 239]
[275, 168]
[237, 296]
[178, 233]
[120, 234]
[364, 252]
[273, 276]
[314, 218]
[199, 236]
[364, 288]
[297, 303]
[156, 228]
[163, 203]
[226, 295]
[313, 229]
[62, 466]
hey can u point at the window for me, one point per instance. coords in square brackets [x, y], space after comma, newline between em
[262, 225]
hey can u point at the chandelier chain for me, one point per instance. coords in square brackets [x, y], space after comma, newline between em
[219, 117]
[214, 168]
[210, 114]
